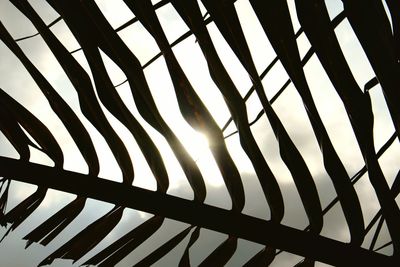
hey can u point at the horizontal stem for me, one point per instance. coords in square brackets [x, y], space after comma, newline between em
[239, 225]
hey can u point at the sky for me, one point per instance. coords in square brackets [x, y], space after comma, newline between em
[15, 80]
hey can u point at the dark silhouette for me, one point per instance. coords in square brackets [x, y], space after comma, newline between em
[91, 29]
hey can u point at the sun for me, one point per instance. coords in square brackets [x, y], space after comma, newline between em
[197, 145]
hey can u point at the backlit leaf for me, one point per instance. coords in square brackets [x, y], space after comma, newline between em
[185, 260]
[322, 38]
[283, 40]
[190, 12]
[126, 244]
[50, 228]
[113, 46]
[88, 238]
[222, 254]
[262, 258]
[191, 106]
[161, 251]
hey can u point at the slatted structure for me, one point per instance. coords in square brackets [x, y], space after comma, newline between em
[258, 118]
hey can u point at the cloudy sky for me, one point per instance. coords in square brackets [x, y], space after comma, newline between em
[16, 81]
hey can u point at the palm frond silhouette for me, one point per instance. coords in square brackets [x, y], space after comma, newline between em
[102, 102]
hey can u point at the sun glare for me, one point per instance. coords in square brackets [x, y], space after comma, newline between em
[197, 145]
